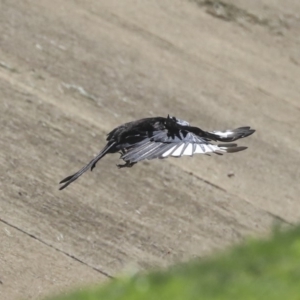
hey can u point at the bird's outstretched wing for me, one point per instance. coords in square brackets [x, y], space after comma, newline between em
[163, 144]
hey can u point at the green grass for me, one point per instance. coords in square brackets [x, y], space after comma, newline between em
[256, 270]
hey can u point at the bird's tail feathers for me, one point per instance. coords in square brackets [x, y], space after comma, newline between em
[231, 135]
[91, 165]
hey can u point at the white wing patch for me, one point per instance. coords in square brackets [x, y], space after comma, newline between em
[168, 152]
[223, 134]
[193, 148]
[205, 148]
[189, 149]
[178, 151]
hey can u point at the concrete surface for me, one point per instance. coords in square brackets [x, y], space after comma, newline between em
[70, 71]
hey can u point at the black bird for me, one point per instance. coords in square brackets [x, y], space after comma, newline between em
[160, 137]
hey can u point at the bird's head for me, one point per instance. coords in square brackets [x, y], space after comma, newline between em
[179, 121]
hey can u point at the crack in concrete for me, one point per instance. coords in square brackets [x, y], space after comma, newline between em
[272, 215]
[56, 249]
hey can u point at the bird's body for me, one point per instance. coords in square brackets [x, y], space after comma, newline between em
[160, 137]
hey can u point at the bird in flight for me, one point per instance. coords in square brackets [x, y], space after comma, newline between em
[160, 137]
